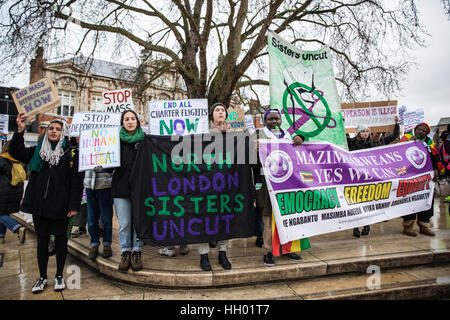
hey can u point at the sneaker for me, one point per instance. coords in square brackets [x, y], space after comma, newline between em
[59, 284]
[184, 250]
[78, 232]
[167, 252]
[447, 199]
[21, 234]
[269, 260]
[292, 256]
[39, 286]
[356, 233]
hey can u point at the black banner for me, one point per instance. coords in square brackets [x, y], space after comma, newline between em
[195, 190]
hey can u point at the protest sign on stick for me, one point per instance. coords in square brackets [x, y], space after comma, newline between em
[93, 120]
[379, 116]
[179, 117]
[99, 147]
[38, 97]
[118, 101]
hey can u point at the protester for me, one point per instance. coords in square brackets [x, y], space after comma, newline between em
[360, 141]
[81, 218]
[11, 191]
[423, 218]
[378, 140]
[272, 130]
[444, 154]
[97, 183]
[131, 134]
[53, 193]
[218, 116]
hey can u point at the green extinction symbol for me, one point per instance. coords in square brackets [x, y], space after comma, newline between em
[305, 113]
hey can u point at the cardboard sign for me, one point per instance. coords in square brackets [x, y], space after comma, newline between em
[99, 147]
[179, 117]
[379, 116]
[38, 97]
[93, 120]
[4, 122]
[117, 101]
[236, 119]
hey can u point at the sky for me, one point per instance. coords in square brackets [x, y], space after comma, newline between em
[426, 86]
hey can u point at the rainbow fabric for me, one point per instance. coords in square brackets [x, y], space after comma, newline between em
[293, 246]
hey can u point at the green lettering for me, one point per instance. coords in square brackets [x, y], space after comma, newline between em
[196, 200]
[241, 205]
[148, 204]
[175, 202]
[210, 202]
[156, 163]
[224, 199]
[164, 211]
[308, 200]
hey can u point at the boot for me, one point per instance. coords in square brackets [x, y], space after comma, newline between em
[356, 232]
[107, 251]
[204, 262]
[136, 261]
[93, 254]
[365, 231]
[223, 260]
[212, 244]
[125, 262]
[425, 228]
[408, 228]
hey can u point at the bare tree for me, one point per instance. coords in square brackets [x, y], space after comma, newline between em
[219, 47]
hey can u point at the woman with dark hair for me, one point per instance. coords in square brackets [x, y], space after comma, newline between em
[272, 130]
[131, 134]
[53, 193]
[11, 191]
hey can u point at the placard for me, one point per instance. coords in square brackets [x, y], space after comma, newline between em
[4, 122]
[38, 97]
[179, 117]
[118, 101]
[99, 147]
[93, 120]
[236, 119]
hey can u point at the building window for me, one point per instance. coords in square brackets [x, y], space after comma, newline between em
[68, 101]
[97, 103]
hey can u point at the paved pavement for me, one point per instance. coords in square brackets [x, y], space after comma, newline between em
[417, 279]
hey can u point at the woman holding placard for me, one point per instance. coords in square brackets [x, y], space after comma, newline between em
[53, 193]
[130, 136]
[218, 116]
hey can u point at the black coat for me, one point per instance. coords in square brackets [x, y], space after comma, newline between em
[55, 190]
[121, 176]
[10, 197]
[354, 144]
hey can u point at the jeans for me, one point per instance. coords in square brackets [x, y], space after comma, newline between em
[100, 204]
[127, 233]
[6, 222]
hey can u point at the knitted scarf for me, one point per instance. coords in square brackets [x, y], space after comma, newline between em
[138, 135]
[36, 161]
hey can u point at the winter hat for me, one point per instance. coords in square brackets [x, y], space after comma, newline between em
[266, 113]
[425, 125]
[361, 127]
[211, 109]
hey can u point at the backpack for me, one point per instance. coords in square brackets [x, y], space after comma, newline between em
[18, 174]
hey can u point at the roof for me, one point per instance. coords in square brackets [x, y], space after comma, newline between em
[104, 68]
[444, 121]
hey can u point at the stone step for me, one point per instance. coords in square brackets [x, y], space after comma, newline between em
[333, 254]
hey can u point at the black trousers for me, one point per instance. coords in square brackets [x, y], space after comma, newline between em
[44, 228]
[423, 216]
